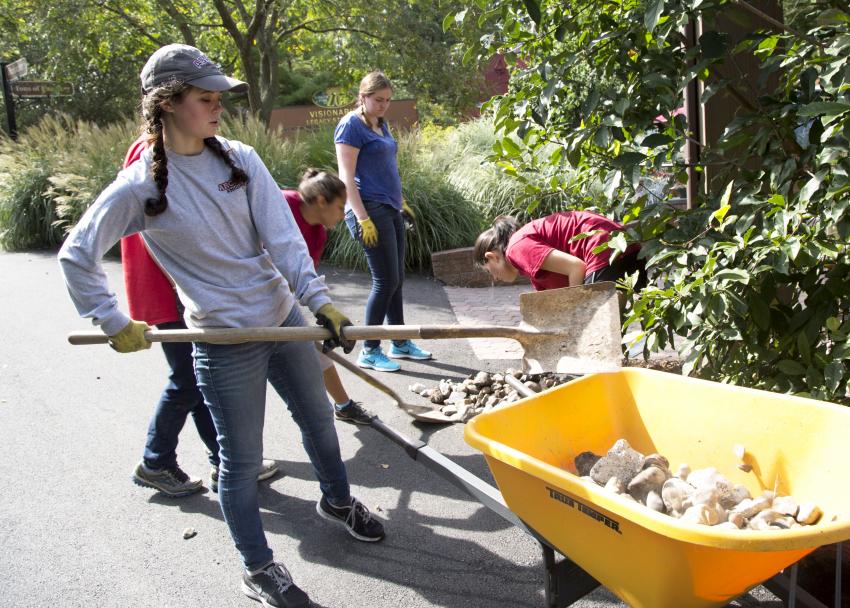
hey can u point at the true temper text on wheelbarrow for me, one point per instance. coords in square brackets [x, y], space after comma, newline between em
[583, 508]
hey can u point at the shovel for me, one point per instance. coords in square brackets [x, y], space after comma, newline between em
[418, 412]
[572, 330]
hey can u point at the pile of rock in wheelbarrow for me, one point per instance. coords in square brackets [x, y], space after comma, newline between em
[483, 391]
[702, 496]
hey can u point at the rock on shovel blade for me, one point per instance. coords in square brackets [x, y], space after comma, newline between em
[573, 330]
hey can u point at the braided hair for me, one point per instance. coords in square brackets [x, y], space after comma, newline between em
[494, 238]
[152, 112]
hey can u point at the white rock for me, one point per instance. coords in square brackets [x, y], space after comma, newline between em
[676, 495]
[655, 502]
[683, 471]
[786, 505]
[809, 513]
[417, 388]
[698, 514]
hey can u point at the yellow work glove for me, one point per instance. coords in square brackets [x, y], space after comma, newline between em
[333, 320]
[407, 214]
[131, 338]
[368, 232]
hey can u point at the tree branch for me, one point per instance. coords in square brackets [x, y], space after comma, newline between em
[129, 19]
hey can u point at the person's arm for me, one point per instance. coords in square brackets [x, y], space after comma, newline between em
[566, 264]
[346, 158]
[116, 213]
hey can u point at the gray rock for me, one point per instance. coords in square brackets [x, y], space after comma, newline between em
[621, 461]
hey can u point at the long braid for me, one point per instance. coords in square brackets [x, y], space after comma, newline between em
[159, 167]
[238, 177]
[152, 114]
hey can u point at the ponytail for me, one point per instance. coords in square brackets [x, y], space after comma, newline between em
[315, 183]
[494, 238]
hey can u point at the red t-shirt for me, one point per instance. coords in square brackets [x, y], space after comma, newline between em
[315, 236]
[150, 295]
[529, 246]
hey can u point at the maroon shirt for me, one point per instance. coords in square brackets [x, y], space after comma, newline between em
[315, 236]
[529, 246]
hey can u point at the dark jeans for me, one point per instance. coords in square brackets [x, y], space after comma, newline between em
[180, 397]
[386, 263]
[233, 379]
[622, 266]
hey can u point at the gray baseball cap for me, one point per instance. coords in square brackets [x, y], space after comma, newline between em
[185, 63]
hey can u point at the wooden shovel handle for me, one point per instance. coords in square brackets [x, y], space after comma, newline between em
[300, 334]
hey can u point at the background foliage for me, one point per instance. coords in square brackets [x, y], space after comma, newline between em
[286, 49]
[752, 285]
[59, 166]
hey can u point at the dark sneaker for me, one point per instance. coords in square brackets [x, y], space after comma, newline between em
[273, 588]
[354, 413]
[171, 482]
[267, 469]
[355, 517]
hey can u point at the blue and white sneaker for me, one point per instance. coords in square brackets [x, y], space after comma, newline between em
[374, 358]
[408, 350]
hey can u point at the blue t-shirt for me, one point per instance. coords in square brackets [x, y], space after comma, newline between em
[376, 173]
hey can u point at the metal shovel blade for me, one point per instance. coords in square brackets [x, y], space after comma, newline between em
[572, 330]
[418, 412]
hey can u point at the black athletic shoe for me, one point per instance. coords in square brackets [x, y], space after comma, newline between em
[273, 588]
[354, 413]
[355, 517]
[172, 481]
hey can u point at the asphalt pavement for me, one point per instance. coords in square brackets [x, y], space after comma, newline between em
[75, 531]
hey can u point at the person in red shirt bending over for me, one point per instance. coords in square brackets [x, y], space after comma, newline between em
[556, 251]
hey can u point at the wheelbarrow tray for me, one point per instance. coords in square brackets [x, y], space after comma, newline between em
[796, 446]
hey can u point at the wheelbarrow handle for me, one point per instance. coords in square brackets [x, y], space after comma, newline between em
[299, 334]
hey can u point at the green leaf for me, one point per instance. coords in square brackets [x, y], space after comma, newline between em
[629, 159]
[510, 147]
[612, 182]
[653, 12]
[833, 373]
[712, 44]
[656, 139]
[827, 108]
[590, 102]
[533, 8]
[721, 213]
[833, 323]
[447, 21]
[804, 348]
[791, 368]
[734, 275]
[811, 187]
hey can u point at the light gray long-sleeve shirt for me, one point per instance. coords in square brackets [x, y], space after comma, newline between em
[232, 252]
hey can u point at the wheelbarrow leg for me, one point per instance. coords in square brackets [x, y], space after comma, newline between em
[566, 582]
[785, 587]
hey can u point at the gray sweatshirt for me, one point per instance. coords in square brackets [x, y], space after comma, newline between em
[232, 252]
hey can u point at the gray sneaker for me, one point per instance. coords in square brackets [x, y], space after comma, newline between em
[171, 482]
[268, 469]
[273, 588]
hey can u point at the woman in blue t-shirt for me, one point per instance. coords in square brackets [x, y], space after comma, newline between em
[366, 155]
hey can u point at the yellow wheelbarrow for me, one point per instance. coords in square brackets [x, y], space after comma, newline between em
[795, 446]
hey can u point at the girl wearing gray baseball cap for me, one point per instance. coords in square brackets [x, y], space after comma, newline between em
[213, 218]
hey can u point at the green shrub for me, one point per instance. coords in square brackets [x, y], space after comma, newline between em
[26, 213]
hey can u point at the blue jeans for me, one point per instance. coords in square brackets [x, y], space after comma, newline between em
[386, 263]
[179, 398]
[232, 378]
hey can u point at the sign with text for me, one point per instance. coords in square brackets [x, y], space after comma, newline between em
[287, 121]
[17, 69]
[41, 88]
